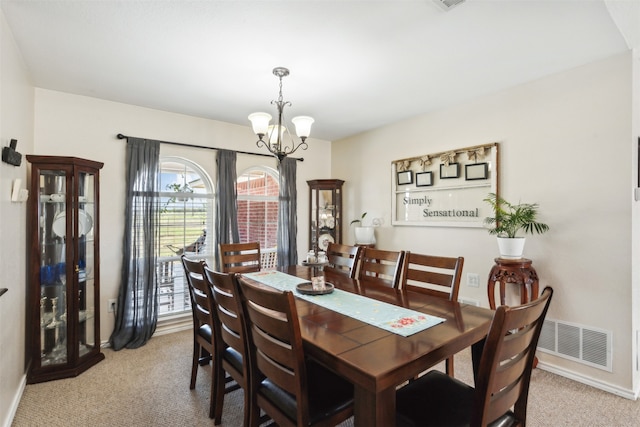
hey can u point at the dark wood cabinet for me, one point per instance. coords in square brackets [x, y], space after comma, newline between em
[325, 212]
[63, 297]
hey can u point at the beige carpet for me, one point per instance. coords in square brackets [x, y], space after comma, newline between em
[150, 387]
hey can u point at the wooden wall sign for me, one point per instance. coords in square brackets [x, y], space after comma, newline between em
[445, 189]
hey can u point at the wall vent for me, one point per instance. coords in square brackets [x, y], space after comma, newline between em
[469, 301]
[586, 345]
[448, 4]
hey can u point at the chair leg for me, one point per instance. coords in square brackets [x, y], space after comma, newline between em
[449, 366]
[194, 365]
[247, 401]
[217, 390]
[212, 394]
[254, 409]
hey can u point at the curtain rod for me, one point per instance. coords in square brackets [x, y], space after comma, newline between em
[300, 159]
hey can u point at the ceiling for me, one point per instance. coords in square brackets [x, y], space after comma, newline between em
[355, 65]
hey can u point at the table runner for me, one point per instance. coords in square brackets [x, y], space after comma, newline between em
[392, 318]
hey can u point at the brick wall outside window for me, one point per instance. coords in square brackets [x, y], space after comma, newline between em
[258, 208]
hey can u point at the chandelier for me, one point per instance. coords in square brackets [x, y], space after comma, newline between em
[275, 133]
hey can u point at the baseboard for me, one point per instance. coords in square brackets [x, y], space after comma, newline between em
[609, 388]
[16, 401]
[167, 325]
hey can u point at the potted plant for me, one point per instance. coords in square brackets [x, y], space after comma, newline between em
[510, 219]
[365, 235]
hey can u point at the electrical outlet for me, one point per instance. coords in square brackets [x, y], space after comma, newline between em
[473, 280]
[112, 305]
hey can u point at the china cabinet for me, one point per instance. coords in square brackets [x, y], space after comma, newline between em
[325, 213]
[63, 331]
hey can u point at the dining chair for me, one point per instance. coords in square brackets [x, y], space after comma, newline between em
[381, 266]
[204, 325]
[203, 322]
[501, 383]
[292, 390]
[433, 275]
[342, 259]
[230, 349]
[240, 257]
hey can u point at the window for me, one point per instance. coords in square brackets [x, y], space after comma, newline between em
[258, 191]
[185, 227]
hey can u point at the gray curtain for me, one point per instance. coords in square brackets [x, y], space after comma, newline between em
[137, 310]
[226, 202]
[287, 215]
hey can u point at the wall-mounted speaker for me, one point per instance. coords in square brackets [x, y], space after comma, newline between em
[10, 155]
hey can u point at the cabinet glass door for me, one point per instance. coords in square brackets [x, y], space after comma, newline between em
[325, 213]
[85, 267]
[52, 212]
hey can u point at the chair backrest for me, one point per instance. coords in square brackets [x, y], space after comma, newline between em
[342, 259]
[228, 308]
[201, 295]
[432, 275]
[240, 257]
[192, 267]
[195, 266]
[380, 265]
[275, 346]
[505, 367]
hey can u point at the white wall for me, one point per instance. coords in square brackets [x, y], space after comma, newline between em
[635, 243]
[71, 125]
[16, 122]
[565, 142]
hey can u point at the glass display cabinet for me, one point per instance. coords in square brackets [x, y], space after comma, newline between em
[325, 213]
[63, 330]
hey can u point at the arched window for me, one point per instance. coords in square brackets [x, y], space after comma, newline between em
[185, 227]
[258, 191]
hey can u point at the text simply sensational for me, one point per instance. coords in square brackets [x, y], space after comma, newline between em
[471, 213]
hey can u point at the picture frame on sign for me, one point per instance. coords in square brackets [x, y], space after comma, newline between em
[476, 171]
[405, 177]
[449, 171]
[424, 179]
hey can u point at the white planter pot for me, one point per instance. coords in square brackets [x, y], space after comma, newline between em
[511, 248]
[365, 235]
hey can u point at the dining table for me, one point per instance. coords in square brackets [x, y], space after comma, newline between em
[378, 360]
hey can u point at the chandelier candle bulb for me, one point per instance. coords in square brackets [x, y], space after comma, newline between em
[274, 135]
[303, 126]
[260, 123]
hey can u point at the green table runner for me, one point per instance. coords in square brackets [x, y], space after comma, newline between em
[389, 317]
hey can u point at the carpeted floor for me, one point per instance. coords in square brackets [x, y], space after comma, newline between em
[150, 387]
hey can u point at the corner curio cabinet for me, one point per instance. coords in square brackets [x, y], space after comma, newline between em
[63, 330]
[325, 213]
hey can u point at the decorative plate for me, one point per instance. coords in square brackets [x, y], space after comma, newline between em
[85, 223]
[324, 240]
[330, 222]
[307, 289]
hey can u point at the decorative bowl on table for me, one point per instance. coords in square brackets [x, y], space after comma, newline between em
[307, 289]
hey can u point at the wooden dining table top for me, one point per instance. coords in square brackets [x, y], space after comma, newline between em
[376, 361]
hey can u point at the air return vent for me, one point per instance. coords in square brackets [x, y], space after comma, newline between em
[469, 301]
[448, 4]
[583, 344]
